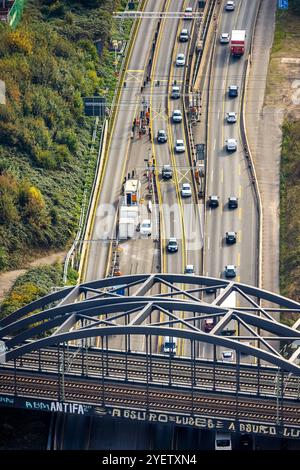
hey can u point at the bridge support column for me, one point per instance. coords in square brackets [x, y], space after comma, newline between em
[15, 378]
[238, 362]
[103, 383]
[214, 366]
[258, 377]
[282, 394]
[192, 373]
[126, 359]
[147, 374]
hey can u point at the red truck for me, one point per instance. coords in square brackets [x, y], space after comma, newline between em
[237, 44]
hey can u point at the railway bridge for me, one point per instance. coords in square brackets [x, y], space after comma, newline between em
[99, 348]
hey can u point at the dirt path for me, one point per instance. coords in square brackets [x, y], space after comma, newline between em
[8, 278]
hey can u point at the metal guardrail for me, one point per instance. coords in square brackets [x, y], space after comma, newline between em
[248, 154]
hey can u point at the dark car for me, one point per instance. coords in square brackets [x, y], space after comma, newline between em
[213, 201]
[167, 172]
[230, 238]
[162, 136]
[172, 246]
[233, 202]
[233, 90]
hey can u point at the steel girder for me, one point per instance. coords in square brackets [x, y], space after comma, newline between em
[95, 309]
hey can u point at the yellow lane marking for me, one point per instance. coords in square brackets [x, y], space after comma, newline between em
[162, 225]
[135, 71]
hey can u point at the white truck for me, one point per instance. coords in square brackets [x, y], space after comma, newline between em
[237, 44]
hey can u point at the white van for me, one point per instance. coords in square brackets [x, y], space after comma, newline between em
[223, 441]
[170, 345]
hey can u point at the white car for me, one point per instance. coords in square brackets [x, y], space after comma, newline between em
[186, 190]
[179, 146]
[228, 355]
[188, 13]
[177, 115]
[146, 227]
[231, 117]
[224, 38]
[189, 269]
[180, 60]
[231, 145]
[230, 5]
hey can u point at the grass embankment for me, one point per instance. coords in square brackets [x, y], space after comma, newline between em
[281, 92]
[49, 64]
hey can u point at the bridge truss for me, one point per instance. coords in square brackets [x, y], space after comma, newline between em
[99, 344]
[159, 305]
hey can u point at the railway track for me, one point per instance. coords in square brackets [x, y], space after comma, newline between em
[159, 371]
[136, 396]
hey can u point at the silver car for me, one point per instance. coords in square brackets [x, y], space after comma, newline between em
[180, 60]
[224, 38]
[177, 115]
[231, 145]
[179, 146]
[231, 117]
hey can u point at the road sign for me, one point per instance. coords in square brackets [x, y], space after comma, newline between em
[94, 106]
[283, 4]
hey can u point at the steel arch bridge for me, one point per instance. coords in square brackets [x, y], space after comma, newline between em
[125, 305]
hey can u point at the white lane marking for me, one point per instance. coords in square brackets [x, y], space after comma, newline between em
[212, 175]
[219, 112]
[214, 144]
[208, 243]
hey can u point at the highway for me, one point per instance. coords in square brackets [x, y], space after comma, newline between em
[119, 147]
[227, 174]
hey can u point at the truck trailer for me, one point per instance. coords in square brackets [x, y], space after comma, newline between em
[237, 44]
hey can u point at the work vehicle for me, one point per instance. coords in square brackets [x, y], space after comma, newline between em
[231, 145]
[233, 90]
[162, 136]
[184, 35]
[231, 117]
[170, 345]
[224, 38]
[188, 13]
[167, 172]
[172, 246]
[180, 60]
[189, 269]
[233, 202]
[186, 190]
[213, 201]
[223, 441]
[230, 270]
[209, 323]
[175, 92]
[228, 355]
[177, 115]
[231, 238]
[146, 227]
[237, 45]
[230, 5]
[179, 146]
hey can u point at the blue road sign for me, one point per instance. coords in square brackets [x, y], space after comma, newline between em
[283, 4]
